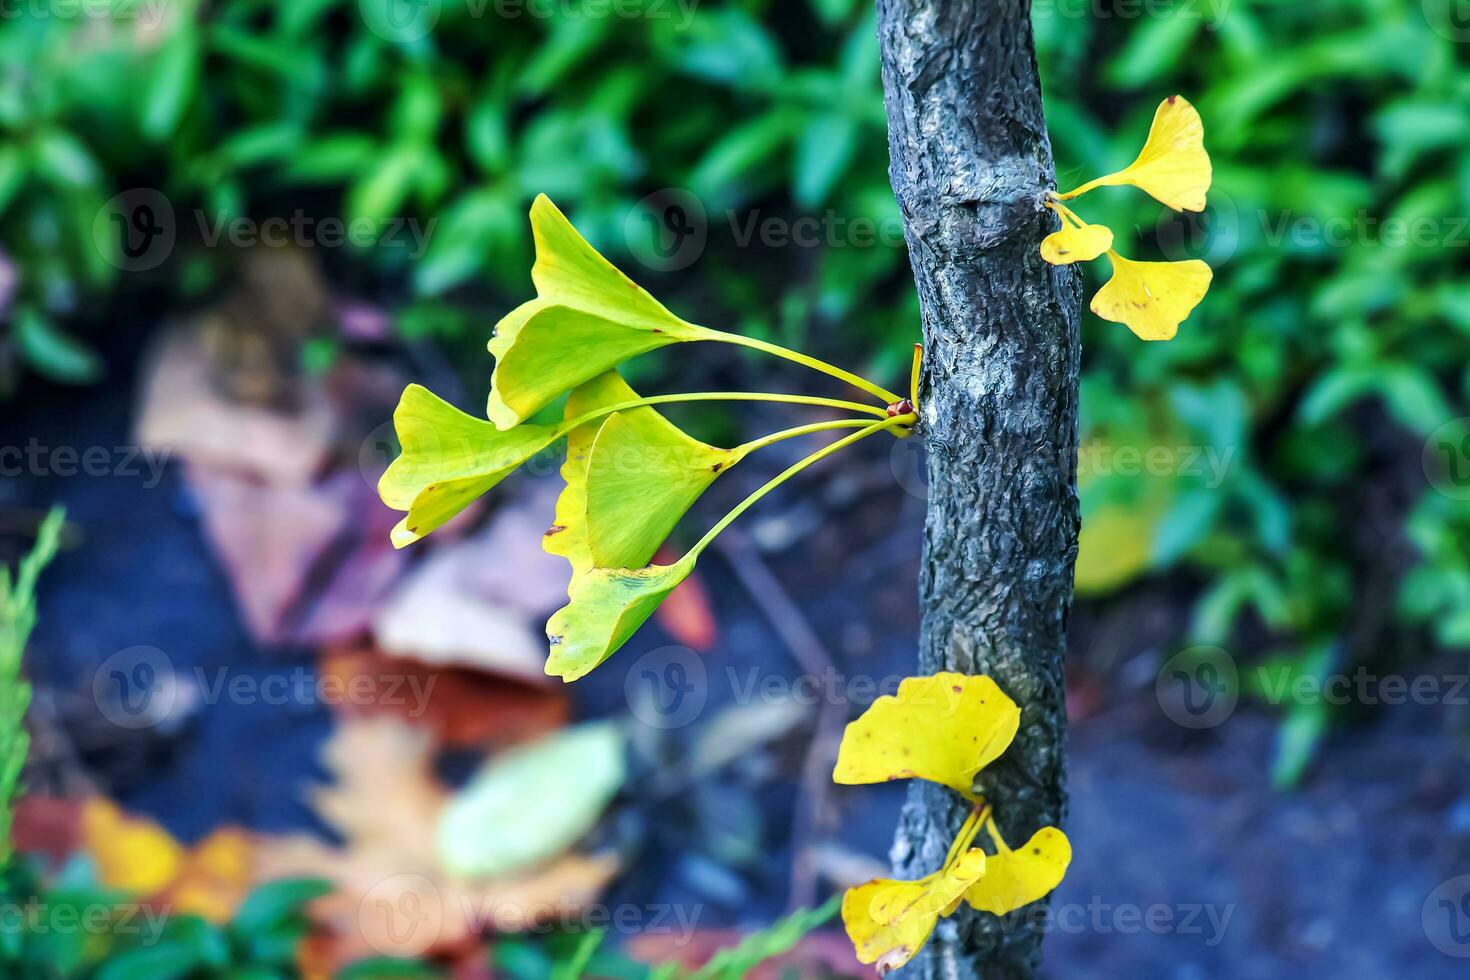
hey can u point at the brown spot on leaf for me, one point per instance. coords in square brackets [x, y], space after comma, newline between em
[554, 529]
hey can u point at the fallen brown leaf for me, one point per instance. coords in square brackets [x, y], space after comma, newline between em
[463, 708]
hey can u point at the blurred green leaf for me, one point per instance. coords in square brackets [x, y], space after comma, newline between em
[781, 937]
[539, 798]
[823, 151]
[277, 902]
[386, 968]
[53, 353]
[167, 961]
[173, 83]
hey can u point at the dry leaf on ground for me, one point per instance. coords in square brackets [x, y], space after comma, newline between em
[392, 895]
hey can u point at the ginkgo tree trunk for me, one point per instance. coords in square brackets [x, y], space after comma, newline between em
[971, 164]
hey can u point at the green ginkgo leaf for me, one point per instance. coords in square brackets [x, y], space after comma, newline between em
[607, 606]
[448, 459]
[643, 475]
[629, 478]
[587, 317]
[567, 536]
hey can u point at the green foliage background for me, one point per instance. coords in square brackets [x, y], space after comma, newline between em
[1326, 354]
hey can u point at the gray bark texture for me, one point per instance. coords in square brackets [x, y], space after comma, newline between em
[970, 165]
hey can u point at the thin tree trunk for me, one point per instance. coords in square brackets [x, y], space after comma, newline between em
[970, 165]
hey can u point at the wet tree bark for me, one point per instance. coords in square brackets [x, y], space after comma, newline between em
[970, 164]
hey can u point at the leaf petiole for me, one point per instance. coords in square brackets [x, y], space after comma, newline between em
[792, 470]
[720, 396]
[1066, 213]
[800, 430]
[914, 376]
[994, 832]
[816, 364]
[979, 815]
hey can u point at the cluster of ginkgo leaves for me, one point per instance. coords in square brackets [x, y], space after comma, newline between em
[1151, 298]
[944, 728]
[630, 473]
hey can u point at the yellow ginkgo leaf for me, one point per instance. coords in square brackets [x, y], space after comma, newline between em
[607, 606]
[1152, 298]
[1076, 243]
[448, 459]
[944, 728]
[890, 921]
[587, 317]
[1014, 878]
[1173, 166]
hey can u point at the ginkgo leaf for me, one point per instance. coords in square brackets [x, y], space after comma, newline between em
[1152, 298]
[607, 606]
[944, 728]
[1173, 166]
[1014, 878]
[646, 473]
[890, 921]
[567, 536]
[1074, 244]
[587, 317]
[643, 474]
[448, 459]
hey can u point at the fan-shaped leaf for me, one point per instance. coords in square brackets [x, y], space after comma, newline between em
[587, 317]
